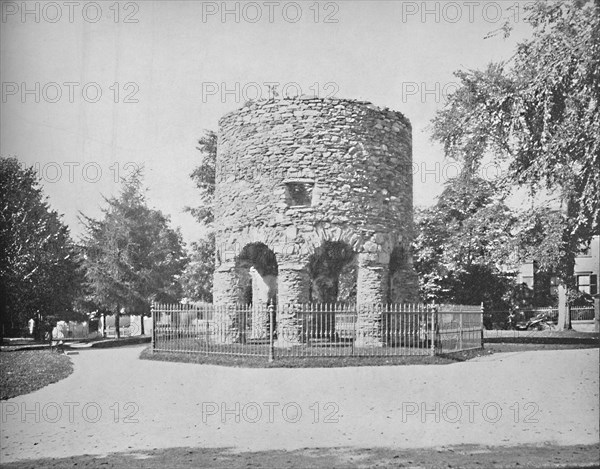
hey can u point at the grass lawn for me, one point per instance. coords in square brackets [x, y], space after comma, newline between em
[332, 362]
[308, 361]
[28, 370]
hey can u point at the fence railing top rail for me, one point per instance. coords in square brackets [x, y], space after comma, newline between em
[318, 307]
[447, 308]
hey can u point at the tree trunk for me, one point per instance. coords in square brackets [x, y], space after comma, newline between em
[103, 324]
[567, 264]
[142, 324]
[41, 329]
[564, 315]
[117, 323]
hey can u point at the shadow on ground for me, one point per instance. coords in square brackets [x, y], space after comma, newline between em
[457, 456]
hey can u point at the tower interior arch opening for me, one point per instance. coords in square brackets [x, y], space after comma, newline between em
[257, 270]
[332, 270]
[397, 266]
[260, 287]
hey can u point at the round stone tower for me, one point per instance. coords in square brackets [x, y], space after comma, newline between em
[313, 202]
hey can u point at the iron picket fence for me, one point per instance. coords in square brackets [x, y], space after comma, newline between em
[582, 313]
[460, 327]
[316, 329]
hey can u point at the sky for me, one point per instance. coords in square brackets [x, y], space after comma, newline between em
[93, 90]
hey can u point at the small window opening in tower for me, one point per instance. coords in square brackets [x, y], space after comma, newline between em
[299, 193]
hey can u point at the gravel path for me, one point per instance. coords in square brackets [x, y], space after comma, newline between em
[115, 402]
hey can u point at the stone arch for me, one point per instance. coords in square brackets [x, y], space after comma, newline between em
[232, 243]
[322, 234]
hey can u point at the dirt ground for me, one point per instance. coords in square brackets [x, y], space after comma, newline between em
[468, 457]
[523, 408]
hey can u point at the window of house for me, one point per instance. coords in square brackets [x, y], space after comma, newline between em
[299, 193]
[529, 281]
[587, 284]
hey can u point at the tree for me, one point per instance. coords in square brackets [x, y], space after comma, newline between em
[463, 245]
[198, 277]
[39, 276]
[204, 177]
[539, 113]
[131, 255]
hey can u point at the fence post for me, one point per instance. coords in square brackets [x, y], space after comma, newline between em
[271, 310]
[354, 332]
[460, 330]
[481, 324]
[152, 313]
[432, 336]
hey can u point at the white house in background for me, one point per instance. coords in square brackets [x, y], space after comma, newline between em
[130, 325]
[73, 330]
[587, 269]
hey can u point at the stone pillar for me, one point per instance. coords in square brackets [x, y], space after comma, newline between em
[372, 282]
[372, 290]
[293, 284]
[228, 293]
[228, 284]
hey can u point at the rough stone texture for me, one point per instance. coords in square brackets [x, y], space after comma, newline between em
[352, 160]
[293, 287]
[373, 283]
[232, 282]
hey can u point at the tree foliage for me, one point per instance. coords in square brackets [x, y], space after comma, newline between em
[463, 243]
[38, 260]
[204, 177]
[197, 280]
[131, 255]
[539, 113]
